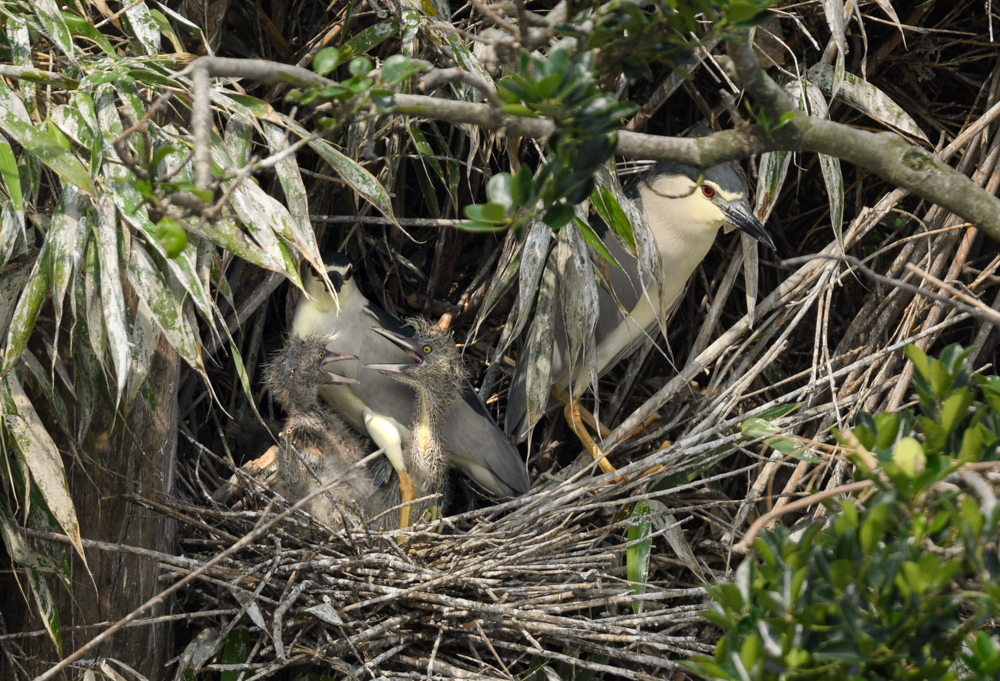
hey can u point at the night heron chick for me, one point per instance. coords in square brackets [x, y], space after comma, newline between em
[382, 407]
[685, 211]
[317, 448]
[434, 369]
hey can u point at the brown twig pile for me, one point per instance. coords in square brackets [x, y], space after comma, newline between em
[494, 592]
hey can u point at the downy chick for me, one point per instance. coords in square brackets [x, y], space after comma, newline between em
[317, 447]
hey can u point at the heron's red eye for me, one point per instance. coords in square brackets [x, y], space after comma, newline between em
[349, 273]
[314, 271]
[708, 190]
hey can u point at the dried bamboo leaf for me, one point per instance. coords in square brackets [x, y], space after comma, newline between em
[578, 300]
[866, 98]
[112, 294]
[833, 10]
[43, 460]
[542, 343]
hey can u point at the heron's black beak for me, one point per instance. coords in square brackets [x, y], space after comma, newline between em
[739, 215]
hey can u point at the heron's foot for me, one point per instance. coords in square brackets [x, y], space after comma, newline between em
[584, 413]
[406, 497]
[641, 428]
[576, 424]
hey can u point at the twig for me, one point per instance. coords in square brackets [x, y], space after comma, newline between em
[965, 304]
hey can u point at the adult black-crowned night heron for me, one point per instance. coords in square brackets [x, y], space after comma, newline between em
[382, 407]
[317, 447]
[684, 217]
[434, 369]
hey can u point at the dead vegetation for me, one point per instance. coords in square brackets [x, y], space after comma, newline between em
[542, 583]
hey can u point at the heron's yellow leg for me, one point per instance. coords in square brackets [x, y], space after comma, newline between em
[575, 421]
[584, 413]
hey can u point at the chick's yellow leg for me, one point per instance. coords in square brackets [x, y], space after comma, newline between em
[406, 496]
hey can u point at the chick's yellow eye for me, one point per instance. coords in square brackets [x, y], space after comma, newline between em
[427, 349]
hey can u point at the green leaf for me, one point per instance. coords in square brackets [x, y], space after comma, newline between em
[955, 408]
[474, 226]
[172, 236]
[486, 212]
[398, 68]
[972, 515]
[47, 149]
[499, 190]
[909, 456]
[558, 216]
[637, 554]
[919, 358]
[519, 110]
[739, 12]
[326, 60]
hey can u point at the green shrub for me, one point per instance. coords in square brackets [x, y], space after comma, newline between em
[900, 584]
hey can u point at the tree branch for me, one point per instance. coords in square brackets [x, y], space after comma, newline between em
[885, 153]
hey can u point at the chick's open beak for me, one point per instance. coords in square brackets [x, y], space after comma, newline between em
[405, 344]
[332, 357]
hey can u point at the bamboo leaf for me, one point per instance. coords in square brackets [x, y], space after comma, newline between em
[11, 178]
[145, 338]
[43, 460]
[144, 29]
[637, 553]
[112, 294]
[11, 285]
[67, 239]
[82, 27]
[866, 98]
[265, 217]
[357, 177]
[23, 321]
[54, 27]
[151, 286]
[46, 148]
[302, 235]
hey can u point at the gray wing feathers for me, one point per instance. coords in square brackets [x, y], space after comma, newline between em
[468, 427]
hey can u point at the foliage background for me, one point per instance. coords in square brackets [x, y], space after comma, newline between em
[108, 345]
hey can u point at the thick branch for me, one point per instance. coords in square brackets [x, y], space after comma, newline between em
[885, 153]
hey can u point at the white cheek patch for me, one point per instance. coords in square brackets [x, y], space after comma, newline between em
[727, 228]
